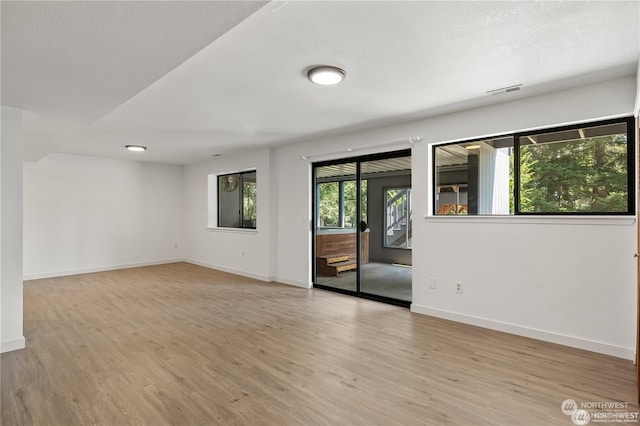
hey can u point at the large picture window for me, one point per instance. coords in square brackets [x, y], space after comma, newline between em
[237, 200]
[574, 170]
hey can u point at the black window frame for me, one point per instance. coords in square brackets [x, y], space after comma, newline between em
[341, 202]
[631, 171]
[434, 171]
[240, 186]
[630, 123]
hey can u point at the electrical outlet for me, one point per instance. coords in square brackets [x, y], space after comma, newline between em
[432, 283]
[459, 287]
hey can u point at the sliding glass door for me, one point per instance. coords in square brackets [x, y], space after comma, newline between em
[362, 232]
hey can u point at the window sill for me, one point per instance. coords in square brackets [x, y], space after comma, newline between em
[233, 230]
[537, 220]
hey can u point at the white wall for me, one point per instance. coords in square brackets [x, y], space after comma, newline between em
[293, 245]
[11, 336]
[245, 252]
[87, 214]
[570, 281]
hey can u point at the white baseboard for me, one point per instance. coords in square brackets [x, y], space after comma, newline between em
[260, 277]
[12, 345]
[54, 274]
[230, 270]
[295, 283]
[547, 336]
[65, 273]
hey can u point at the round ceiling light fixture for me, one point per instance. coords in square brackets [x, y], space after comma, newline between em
[326, 75]
[136, 148]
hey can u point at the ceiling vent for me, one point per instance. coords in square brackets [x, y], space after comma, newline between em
[507, 89]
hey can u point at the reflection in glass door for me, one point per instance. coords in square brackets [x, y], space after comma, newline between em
[336, 232]
[363, 227]
[387, 271]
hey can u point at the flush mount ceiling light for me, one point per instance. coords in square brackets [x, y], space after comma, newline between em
[326, 75]
[136, 148]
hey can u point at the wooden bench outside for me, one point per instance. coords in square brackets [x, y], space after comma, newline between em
[333, 264]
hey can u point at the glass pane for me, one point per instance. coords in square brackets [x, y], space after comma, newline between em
[350, 204]
[329, 196]
[249, 200]
[474, 177]
[229, 201]
[398, 221]
[573, 171]
[386, 258]
[336, 233]
[363, 200]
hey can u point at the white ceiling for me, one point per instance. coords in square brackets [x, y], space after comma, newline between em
[193, 79]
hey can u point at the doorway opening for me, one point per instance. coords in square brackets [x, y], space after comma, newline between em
[363, 229]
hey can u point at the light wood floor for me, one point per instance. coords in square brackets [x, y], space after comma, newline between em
[184, 345]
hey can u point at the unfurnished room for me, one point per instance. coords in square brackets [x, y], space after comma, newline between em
[319, 212]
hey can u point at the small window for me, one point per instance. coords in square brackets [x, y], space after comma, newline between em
[237, 200]
[577, 170]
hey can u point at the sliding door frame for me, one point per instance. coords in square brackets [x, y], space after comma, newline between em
[314, 224]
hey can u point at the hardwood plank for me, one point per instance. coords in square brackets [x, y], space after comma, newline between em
[185, 345]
